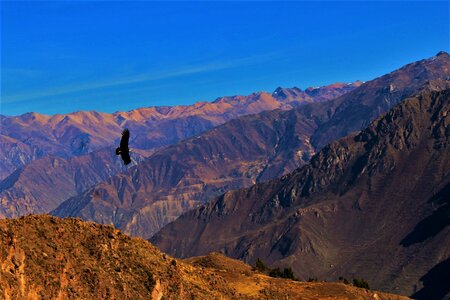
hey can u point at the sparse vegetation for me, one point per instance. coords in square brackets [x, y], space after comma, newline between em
[275, 272]
[287, 273]
[343, 280]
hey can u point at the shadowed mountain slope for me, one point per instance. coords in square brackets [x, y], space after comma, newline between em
[237, 154]
[372, 205]
[43, 257]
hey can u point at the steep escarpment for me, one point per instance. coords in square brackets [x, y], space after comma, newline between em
[370, 205]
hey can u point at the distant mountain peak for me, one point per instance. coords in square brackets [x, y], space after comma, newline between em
[442, 53]
[281, 93]
[314, 94]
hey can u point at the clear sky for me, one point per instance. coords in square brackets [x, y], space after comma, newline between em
[59, 57]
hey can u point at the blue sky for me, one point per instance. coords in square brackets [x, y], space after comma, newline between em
[59, 57]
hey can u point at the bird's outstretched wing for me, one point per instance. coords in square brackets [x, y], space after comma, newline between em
[124, 140]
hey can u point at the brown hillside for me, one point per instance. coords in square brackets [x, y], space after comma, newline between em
[43, 257]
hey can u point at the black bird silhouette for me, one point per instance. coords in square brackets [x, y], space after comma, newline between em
[123, 149]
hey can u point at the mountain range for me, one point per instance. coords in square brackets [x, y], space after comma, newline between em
[32, 135]
[44, 139]
[44, 183]
[240, 153]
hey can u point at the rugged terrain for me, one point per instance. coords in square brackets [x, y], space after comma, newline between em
[373, 205]
[240, 153]
[236, 154]
[88, 261]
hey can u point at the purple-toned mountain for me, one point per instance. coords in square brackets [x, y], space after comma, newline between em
[31, 135]
[14, 154]
[235, 155]
[373, 205]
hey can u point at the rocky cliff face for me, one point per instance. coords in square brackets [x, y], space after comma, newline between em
[371, 205]
[42, 257]
[238, 154]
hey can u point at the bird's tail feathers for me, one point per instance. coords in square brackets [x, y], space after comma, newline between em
[118, 151]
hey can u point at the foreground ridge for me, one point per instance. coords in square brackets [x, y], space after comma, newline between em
[45, 257]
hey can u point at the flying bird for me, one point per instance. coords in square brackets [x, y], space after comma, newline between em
[123, 150]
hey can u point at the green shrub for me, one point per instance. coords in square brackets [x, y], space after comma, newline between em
[361, 283]
[344, 280]
[286, 273]
[275, 272]
[260, 265]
